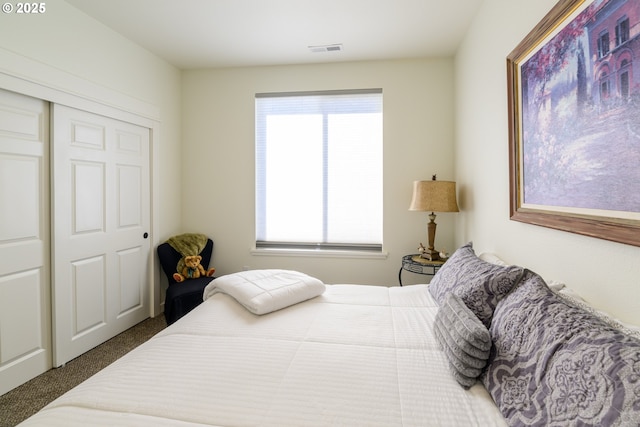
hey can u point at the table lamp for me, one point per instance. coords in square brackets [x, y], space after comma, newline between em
[434, 196]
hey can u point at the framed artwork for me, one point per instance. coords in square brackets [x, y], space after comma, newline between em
[574, 121]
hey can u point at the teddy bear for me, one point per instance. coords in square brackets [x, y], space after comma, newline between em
[192, 269]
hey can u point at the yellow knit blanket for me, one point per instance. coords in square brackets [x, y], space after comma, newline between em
[187, 244]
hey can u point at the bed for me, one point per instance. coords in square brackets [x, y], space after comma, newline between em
[304, 355]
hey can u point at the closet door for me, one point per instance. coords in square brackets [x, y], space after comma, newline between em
[101, 217]
[25, 300]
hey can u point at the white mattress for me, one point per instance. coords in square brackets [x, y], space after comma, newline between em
[357, 356]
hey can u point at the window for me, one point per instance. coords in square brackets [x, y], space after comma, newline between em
[624, 84]
[319, 170]
[603, 44]
[604, 86]
[622, 31]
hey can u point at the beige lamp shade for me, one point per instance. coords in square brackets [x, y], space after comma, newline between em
[434, 196]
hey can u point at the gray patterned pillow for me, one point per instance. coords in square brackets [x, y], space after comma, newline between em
[576, 300]
[480, 284]
[463, 338]
[555, 364]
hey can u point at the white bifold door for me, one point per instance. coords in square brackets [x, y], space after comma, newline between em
[25, 299]
[100, 225]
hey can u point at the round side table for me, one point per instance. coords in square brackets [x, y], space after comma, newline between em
[416, 264]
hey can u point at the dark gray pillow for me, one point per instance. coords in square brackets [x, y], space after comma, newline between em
[463, 338]
[554, 363]
[480, 284]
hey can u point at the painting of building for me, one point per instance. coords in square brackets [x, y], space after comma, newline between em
[581, 113]
[614, 43]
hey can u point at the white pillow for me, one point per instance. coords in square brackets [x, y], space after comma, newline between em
[492, 258]
[264, 291]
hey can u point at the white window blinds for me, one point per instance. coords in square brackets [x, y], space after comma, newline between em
[319, 170]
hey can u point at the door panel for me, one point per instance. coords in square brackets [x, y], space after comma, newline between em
[131, 297]
[101, 205]
[25, 298]
[87, 199]
[88, 291]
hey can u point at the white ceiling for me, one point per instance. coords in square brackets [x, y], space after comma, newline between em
[227, 33]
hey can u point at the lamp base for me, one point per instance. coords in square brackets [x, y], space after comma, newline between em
[430, 255]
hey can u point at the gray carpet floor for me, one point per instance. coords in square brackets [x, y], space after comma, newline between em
[27, 399]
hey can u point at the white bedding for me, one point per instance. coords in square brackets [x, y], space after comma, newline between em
[356, 355]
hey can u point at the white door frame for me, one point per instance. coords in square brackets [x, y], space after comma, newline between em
[28, 77]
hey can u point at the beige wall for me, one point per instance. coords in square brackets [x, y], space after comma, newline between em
[605, 273]
[218, 180]
[64, 56]
[68, 47]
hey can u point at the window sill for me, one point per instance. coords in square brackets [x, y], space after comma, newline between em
[318, 253]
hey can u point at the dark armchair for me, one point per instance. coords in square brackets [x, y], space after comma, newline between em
[182, 297]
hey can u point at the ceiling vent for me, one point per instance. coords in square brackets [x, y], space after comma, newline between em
[327, 48]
